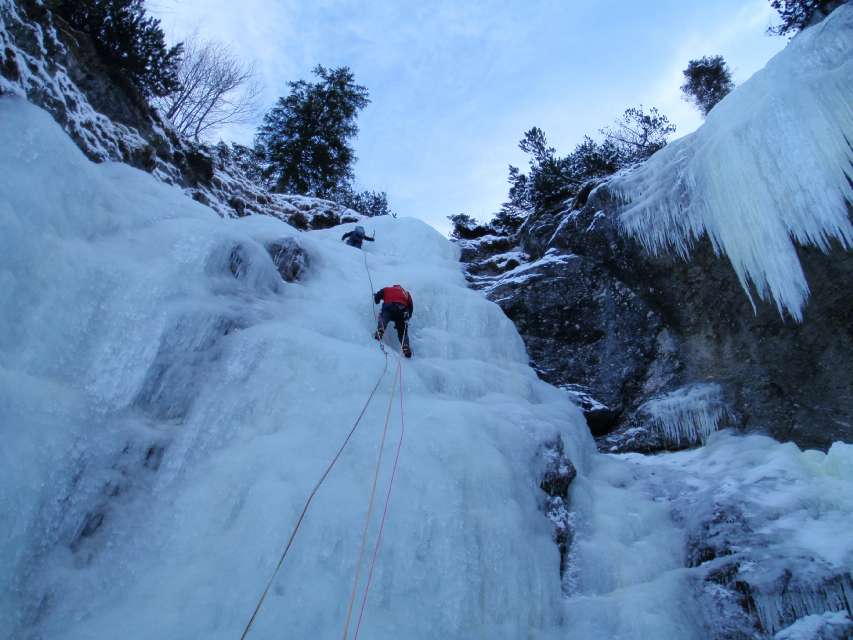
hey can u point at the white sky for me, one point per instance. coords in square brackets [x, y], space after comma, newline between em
[454, 84]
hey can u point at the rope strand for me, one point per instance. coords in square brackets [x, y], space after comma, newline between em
[373, 314]
[385, 509]
[370, 503]
[311, 497]
[398, 376]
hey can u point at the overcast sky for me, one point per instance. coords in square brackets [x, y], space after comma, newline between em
[454, 84]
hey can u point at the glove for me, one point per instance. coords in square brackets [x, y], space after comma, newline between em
[406, 315]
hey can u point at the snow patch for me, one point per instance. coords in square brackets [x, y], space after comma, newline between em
[836, 625]
[777, 519]
[39, 71]
[527, 271]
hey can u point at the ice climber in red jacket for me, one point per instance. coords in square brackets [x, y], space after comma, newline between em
[397, 305]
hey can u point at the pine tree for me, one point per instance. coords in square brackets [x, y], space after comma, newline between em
[250, 160]
[126, 39]
[637, 134]
[306, 136]
[549, 180]
[467, 228]
[593, 160]
[798, 14]
[707, 81]
[367, 203]
[552, 179]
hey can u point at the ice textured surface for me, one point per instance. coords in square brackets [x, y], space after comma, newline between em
[770, 166]
[828, 626]
[166, 409]
[771, 514]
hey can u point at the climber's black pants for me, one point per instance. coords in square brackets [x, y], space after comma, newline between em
[395, 312]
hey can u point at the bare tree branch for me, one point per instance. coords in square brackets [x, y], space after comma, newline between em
[216, 89]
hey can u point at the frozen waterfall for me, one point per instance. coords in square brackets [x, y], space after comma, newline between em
[165, 411]
[164, 421]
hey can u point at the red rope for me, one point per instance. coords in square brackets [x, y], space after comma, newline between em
[385, 510]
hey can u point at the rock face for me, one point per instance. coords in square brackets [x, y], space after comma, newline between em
[619, 327]
[575, 319]
[289, 258]
[558, 476]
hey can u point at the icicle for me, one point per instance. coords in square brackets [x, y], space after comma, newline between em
[778, 609]
[688, 415]
[771, 166]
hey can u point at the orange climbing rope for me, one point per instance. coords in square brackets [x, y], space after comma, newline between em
[311, 497]
[371, 501]
[385, 509]
[398, 376]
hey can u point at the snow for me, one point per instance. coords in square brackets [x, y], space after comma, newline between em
[34, 48]
[781, 515]
[599, 215]
[828, 626]
[770, 167]
[503, 258]
[528, 270]
[688, 415]
[165, 420]
[772, 510]
[582, 397]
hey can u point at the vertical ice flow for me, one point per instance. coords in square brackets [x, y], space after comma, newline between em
[771, 165]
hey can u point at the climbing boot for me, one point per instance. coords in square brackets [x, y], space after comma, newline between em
[407, 351]
[379, 333]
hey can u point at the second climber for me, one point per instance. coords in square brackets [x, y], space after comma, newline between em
[397, 305]
[356, 237]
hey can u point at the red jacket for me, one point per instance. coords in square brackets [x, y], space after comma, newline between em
[395, 295]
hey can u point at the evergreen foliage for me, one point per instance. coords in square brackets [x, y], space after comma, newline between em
[367, 203]
[467, 228]
[250, 160]
[798, 14]
[637, 134]
[306, 136]
[552, 179]
[126, 39]
[549, 178]
[707, 80]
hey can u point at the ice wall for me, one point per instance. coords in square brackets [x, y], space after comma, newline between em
[770, 167]
[163, 421]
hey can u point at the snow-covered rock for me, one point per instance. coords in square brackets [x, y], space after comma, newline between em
[837, 625]
[681, 418]
[289, 257]
[760, 522]
[43, 59]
